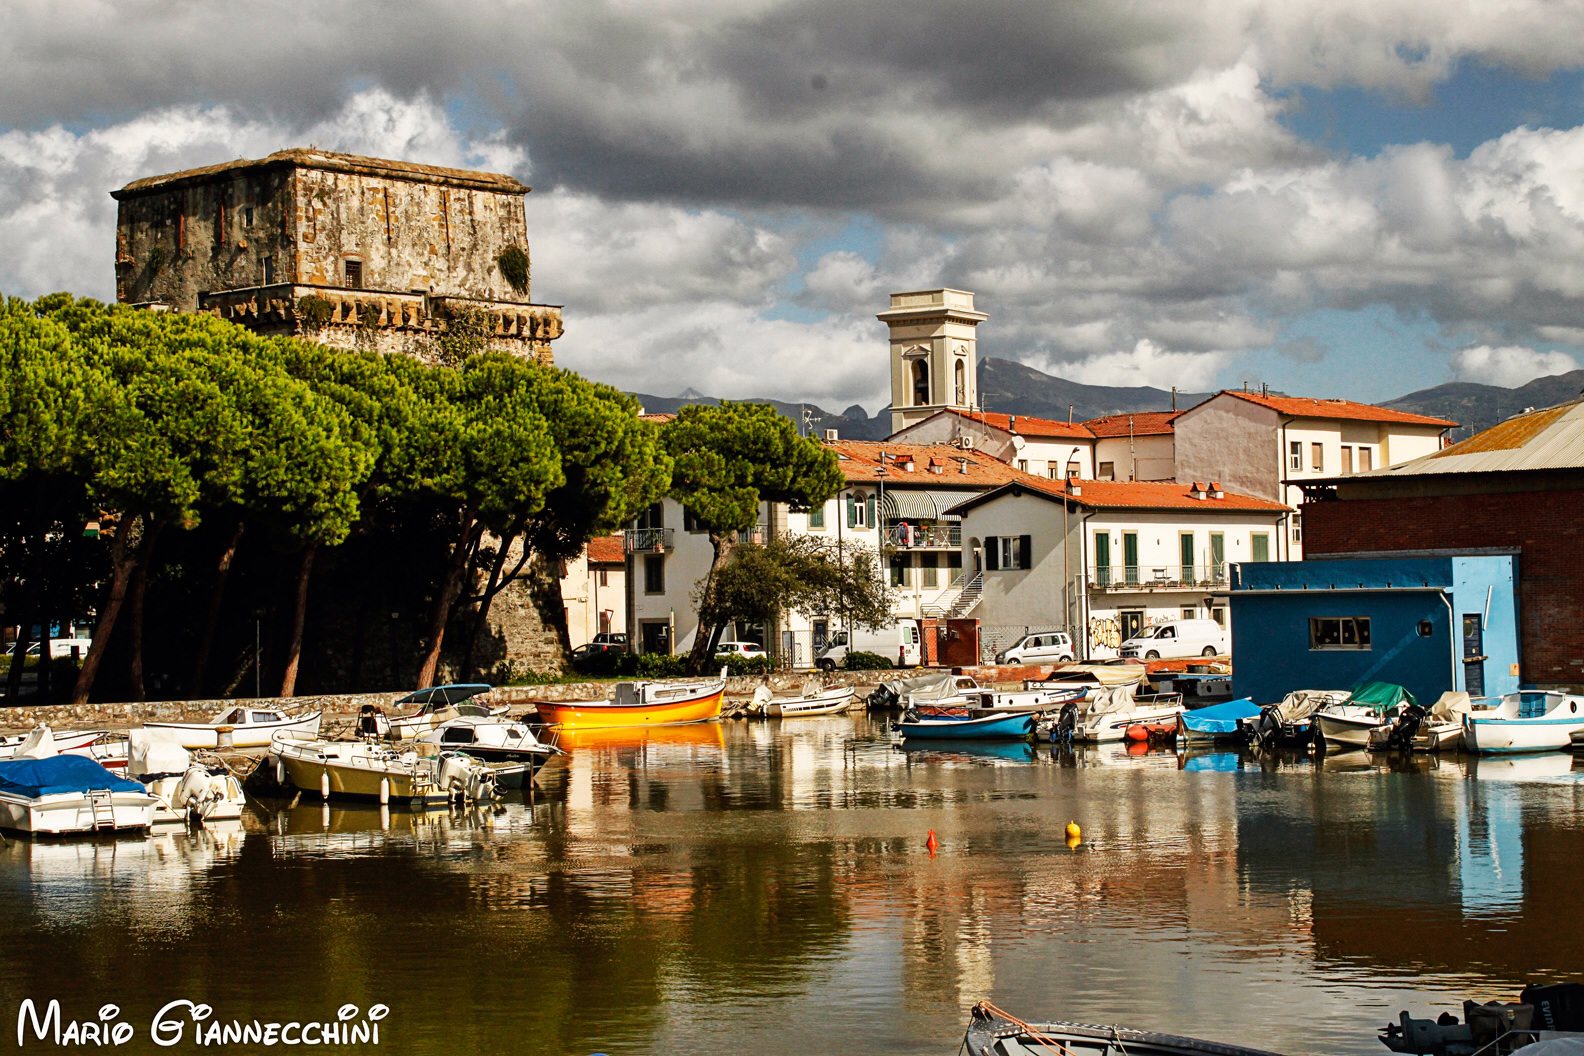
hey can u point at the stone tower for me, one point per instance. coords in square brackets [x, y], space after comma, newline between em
[934, 353]
[350, 251]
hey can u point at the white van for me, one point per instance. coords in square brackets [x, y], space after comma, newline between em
[1043, 647]
[1174, 639]
[899, 642]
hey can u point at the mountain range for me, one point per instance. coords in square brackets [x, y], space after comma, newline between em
[1008, 387]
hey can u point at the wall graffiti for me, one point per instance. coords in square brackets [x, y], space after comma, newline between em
[1105, 632]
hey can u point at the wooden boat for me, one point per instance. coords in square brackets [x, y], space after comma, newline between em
[988, 727]
[61, 794]
[1217, 724]
[640, 704]
[239, 727]
[1529, 720]
[437, 705]
[496, 742]
[814, 701]
[992, 1032]
[367, 770]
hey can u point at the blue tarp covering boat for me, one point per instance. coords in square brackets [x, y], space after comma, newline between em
[59, 774]
[989, 727]
[1217, 721]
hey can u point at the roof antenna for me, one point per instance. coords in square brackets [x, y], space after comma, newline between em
[1174, 399]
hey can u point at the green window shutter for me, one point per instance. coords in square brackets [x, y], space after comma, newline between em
[869, 510]
[852, 511]
[1260, 544]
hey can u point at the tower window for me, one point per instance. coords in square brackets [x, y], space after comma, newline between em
[354, 274]
[962, 384]
[921, 383]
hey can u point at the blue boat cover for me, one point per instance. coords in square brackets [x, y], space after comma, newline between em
[57, 774]
[1220, 718]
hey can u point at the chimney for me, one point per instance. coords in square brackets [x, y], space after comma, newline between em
[936, 465]
[1215, 490]
[1011, 423]
[962, 466]
[1198, 490]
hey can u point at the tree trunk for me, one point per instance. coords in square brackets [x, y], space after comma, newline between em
[19, 657]
[496, 583]
[121, 569]
[702, 656]
[206, 632]
[461, 553]
[135, 595]
[299, 614]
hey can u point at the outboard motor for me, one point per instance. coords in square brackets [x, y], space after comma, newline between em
[1267, 731]
[1066, 724]
[1403, 731]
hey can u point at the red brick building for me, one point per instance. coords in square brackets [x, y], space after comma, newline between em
[1516, 487]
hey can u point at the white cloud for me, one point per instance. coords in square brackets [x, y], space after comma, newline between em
[1147, 363]
[1509, 365]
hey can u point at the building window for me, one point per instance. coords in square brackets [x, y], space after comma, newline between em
[1052, 467]
[1297, 528]
[1107, 471]
[654, 573]
[1317, 456]
[653, 517]
[1366, 459]
[269, 270]
[1188, 612]
[247, 216]
[690, 521]
[921, 386]
[1259, 547]
[929, 569]
[1295, 455]
[604, 580]
[1022, 465]
[816, 516]
[899, 571]
[1072, 468]
[1347, 459]
[1007, 552]
[962, 384]
[1339, 632]
[954, 562]
[354, 274]
[1218, 614]
[860, 509]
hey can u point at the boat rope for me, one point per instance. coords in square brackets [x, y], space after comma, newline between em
[1044, 1041]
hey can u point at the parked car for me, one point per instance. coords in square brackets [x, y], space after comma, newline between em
[744, 649]
[1043, 647]
[612, 640]
[1175, 639]
[595, 649]
[60, 648]
[898, 642]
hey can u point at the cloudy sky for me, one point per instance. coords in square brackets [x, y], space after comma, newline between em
[1338, 197]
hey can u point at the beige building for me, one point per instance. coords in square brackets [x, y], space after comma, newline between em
[594, 591]
[351, 251]
[934, 353]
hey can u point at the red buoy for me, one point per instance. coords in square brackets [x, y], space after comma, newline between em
[1137, 732]
[932, 843]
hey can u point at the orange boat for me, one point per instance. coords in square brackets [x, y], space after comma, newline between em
[640, 704]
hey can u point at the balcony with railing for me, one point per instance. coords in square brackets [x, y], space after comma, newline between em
[647, 540]
[914, 535]
[1157, 577]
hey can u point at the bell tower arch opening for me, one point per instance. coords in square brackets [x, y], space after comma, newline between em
[921, 382]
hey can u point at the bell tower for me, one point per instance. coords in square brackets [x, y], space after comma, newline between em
[934, 353]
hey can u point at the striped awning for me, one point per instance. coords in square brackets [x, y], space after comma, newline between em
[918, 504]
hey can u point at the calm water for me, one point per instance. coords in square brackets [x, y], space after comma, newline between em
[766, 889]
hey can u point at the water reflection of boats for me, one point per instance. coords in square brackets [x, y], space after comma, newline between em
[698, 734]
[1550, 766]
[1210, 762]
[971, 752]
[991, 1031]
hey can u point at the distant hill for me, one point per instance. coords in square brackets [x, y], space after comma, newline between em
[1475, 406]
[1007, 387]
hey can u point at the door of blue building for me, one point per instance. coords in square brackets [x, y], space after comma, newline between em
[1473, 654]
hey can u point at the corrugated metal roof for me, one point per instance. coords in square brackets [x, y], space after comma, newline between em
[1552, 438]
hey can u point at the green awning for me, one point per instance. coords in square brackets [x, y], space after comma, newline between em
[908, 505]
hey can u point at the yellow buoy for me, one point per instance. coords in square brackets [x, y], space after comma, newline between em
[1073, 843]
[1073, 831]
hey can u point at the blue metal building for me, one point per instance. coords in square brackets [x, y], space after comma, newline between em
[1429, 621]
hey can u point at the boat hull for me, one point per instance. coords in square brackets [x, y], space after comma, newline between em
[991, 727]
[1345, 732]
[992, 1034]
[1113, 726]
[1519, 735]
[604, 714]
[823, 704]
[193, 735]
[344, 779]
[72, 812]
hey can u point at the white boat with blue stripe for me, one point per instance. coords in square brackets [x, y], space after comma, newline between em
[1530, 720]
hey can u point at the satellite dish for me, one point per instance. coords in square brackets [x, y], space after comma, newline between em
[1018, 443]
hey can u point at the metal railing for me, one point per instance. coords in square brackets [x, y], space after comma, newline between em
[1158, 577]
[910, 536]
[647, 540]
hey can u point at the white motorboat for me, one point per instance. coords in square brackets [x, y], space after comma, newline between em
[814, 701]
[495, 741]
[1529, 720]
[59, 794]
[437, 705]
[982, 702]
[1415, 730]
[1347, 725]
[1291, 723]
[368, 770]
[238, 727]
[189, 791]
[16, 746]
[1107, 716]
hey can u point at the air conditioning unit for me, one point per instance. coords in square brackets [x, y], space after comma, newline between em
[830, 435]
[967, 443]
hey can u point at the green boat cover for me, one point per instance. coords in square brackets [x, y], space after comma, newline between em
[1382, 696]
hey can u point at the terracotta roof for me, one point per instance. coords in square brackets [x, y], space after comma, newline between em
[860, 463]
[606, 550]
[333, 162]
[1144, 423]
[1309, 407]
[1026, 424]
[657, 417]
[1130, 495]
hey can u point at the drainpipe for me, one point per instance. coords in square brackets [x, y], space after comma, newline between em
[1281, 495]
[1451, 638]
[1083, 581]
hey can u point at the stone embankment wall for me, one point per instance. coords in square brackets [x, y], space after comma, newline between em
[121, 716]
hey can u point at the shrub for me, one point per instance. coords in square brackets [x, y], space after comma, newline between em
[660, 665]
[513, 264]
[747, 665]
[610, 664]
[858, 660]
[315, 312]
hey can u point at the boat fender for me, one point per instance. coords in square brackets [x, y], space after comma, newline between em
[384, 795]
[280, 772]
[324, 783]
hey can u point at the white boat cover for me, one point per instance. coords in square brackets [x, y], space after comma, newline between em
[1554, 1045]
[1301, 704]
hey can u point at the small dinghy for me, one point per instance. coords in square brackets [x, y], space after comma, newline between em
[189, 791]
[814, 701]
[1291, 724]
[991, 1032]
[497, 742]
[1347, 725]
[1416, 730]
[1530, 720]
[1217, 724]
[367, 770]
[990, 727]
[64, 741]
[239, 727]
